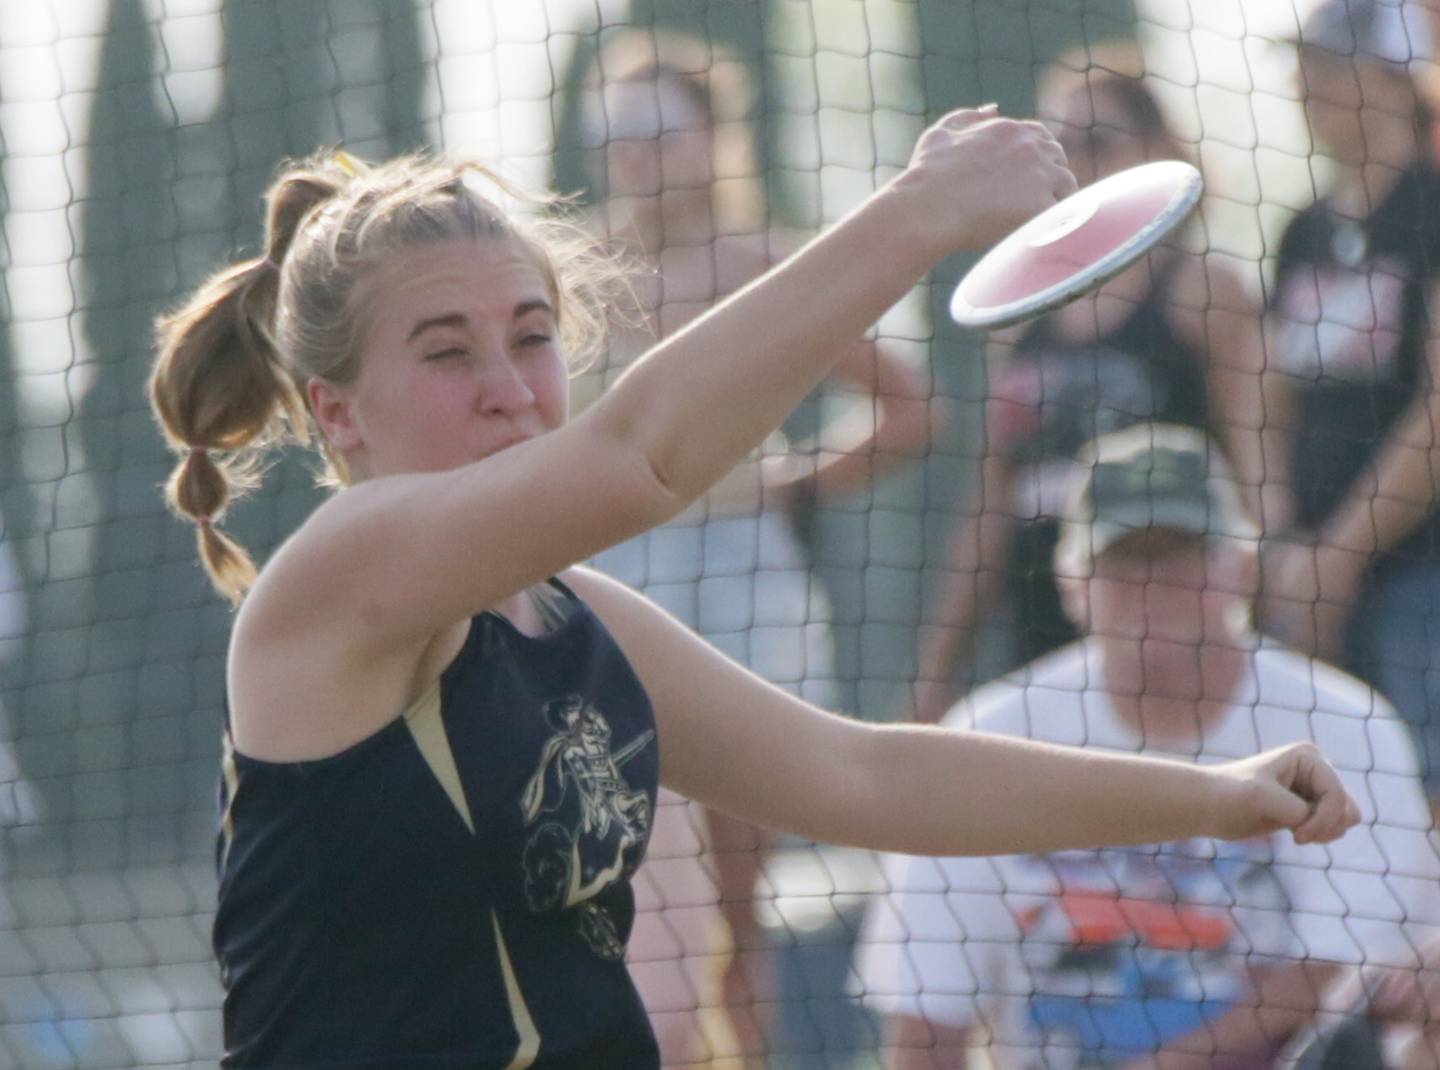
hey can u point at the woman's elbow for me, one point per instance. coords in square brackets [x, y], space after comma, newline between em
[638, 488]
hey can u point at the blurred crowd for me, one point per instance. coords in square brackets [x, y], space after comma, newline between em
[1205, 518]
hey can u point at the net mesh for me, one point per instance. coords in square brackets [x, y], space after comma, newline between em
[137, 137]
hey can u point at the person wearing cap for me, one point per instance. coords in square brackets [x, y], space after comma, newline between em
[1356, 579]
[1191, 953]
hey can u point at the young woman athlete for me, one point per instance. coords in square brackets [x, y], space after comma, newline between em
[444, 738]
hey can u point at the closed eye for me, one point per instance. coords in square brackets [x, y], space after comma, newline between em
[444, 354]
[535, 340]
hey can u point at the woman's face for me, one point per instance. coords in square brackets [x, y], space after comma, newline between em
[1355, 107]
[462, 360]
[1097, 132]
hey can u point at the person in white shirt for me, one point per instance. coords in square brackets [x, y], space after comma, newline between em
[1184, 954]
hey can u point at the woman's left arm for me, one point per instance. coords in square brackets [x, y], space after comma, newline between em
[732, 741]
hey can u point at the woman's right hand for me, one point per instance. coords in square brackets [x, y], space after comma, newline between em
[1291, 787]
[975, 176]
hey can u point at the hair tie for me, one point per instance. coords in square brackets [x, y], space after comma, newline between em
[202, 521]
[198, 451]
[347, 163]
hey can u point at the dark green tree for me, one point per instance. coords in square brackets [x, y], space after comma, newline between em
[122, 707]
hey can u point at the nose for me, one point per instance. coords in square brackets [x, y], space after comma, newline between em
[503, 387]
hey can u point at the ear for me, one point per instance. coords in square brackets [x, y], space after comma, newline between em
[330, 405]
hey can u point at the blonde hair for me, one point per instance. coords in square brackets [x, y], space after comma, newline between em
[233, 361]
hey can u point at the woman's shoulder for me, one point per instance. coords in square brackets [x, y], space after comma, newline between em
[301, 687]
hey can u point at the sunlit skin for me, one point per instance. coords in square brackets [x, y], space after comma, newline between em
[461, 359]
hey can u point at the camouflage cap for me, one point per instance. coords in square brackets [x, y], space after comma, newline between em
[1148, 476]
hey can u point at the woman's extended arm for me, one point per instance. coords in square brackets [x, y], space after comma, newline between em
[756, 356]
[734, 742]
[400, 554]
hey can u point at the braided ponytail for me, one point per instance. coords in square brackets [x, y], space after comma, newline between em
[219, 384]
[233, 361]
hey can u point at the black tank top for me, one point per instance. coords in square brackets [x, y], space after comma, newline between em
[454, 890]
[1141, 370]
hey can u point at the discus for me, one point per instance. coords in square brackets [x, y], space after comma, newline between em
[1075, 245]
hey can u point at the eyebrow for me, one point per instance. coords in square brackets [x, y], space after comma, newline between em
[459, 319]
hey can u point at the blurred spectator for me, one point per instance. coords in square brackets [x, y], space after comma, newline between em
[19, 802]
[1188, 954]
[1389, 1019]
[684, 196]
[1174, 338]
[13, 616]
[1358, 579]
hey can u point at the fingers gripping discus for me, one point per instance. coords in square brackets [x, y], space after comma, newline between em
[1077, 244]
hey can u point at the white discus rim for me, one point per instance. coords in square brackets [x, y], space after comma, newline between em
[1190, 186]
